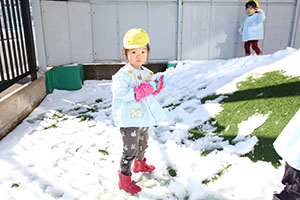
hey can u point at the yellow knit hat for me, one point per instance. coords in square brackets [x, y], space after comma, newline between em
[257, 4]
[135, 38]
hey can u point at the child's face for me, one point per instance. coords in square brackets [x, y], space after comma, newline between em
[250, 10]
[137, 57]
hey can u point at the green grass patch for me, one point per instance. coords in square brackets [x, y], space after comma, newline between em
[171, 106]
[208, 151]
[85, 117]
[76, 150]
[196, 133]
[51, 126]
[15, 185]
[75, 109]
[57, 116]
[172, 171]
[87, 110]
[64, 119]
[217, 175]
[107, 106]
[104, 152]
[99, 100]
[207, 126]
[209, 98]
[273, 94]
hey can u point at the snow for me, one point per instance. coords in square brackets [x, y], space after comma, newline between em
[56, 154]
[247, 127]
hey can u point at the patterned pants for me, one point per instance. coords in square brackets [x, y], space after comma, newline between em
[134, 145]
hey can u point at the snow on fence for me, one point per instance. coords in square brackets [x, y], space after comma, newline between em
[92, 30]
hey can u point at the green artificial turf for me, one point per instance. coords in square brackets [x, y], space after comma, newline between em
[273, 94]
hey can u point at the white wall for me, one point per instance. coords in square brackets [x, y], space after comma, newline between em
[210, 28]
[92, 30]
[66, 29]
[210, 31]
[278, 26]
[297, 39]
[296, 33]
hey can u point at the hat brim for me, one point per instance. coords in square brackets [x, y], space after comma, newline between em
[134, 46]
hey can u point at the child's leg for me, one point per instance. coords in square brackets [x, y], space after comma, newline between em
[255, 47]
[247, 48]
[130, 148]
[291, 180]
[140, 164]
[143, 143]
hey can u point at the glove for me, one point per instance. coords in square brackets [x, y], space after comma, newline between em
[144, 90]
[160, 84]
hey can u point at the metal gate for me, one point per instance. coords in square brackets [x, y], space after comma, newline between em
[17, 54]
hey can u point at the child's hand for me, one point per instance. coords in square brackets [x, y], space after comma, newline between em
[259, 10]
[144, 90]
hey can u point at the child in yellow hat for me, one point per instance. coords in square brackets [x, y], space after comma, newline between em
[252, 28]
[134, 106]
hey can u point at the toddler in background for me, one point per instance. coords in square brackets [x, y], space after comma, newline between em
[252, 28]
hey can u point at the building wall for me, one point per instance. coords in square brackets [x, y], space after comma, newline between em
[296, 39]
[92, 30]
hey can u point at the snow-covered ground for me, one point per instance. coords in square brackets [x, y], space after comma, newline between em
[68, 149]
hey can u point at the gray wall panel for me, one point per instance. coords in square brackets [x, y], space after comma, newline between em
[56, 32]
[278, 27]
[240, 17]
[162, 31]
[131, 16]
[196, 31]
[297, 35]
[105, 33]
[80, 32]
[224, 33]
[297, 29]
[208, 29]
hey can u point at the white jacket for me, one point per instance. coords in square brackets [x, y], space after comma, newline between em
[127, 112]
[287, 144]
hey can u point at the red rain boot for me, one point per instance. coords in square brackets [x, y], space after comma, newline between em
[141, 166]
[126, 184]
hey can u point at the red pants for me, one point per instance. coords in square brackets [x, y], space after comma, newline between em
[254, 47]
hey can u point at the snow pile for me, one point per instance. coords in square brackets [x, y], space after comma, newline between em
[68, 149]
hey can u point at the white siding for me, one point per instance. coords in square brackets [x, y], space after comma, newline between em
[224, 33]
[131, 16]
[196, 31]
[105, 33]
[56, 32]
[297, 38]
[111, 21]
[278, 27]
[162, 25]
[92, 30]
[80, 32]
[67, 32]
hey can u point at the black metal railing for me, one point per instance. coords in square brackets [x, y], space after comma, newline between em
[17, 54]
